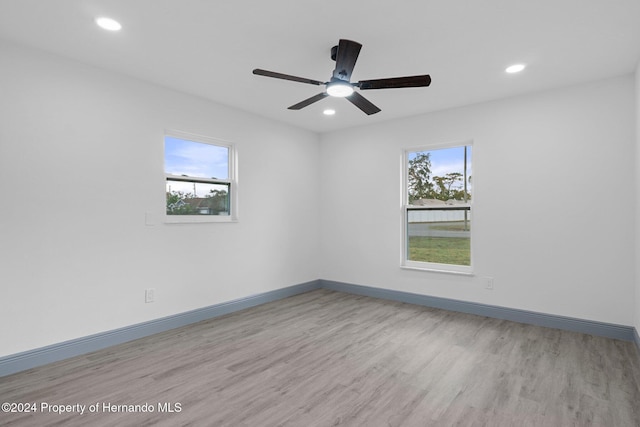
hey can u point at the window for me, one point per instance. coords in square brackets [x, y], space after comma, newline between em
[199, 174]
[437, 208]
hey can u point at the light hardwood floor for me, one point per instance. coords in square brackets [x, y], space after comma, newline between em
[326, 358]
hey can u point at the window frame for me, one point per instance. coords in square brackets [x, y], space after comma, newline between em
[231, 181]
[406, 208]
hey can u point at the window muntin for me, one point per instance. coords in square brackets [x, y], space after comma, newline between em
[437, 208]
[199, 174]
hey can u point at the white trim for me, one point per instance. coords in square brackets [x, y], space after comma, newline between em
[433, 267]
[182, 178]
[232, 180]
[197, 219]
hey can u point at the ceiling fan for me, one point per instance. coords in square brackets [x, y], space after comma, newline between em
[345, 55]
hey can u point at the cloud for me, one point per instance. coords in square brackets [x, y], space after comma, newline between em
[196, 159]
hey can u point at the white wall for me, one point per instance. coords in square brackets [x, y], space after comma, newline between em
[81, 164]
[553, 202]
[637, 253]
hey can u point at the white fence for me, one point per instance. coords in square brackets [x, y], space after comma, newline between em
[437, 215]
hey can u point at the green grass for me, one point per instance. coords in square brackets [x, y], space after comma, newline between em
[442, 250]
[452, 226]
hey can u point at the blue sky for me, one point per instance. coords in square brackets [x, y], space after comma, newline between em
[195, 159]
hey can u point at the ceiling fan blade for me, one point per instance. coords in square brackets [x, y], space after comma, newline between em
[308, 101]
[346, 57]
[363, 103]
[275, 75]
[395, 82]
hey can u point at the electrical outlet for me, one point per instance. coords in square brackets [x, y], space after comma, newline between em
[488, 283]
[149, 295]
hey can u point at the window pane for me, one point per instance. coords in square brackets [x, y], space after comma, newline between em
[195, 159]
[439, 193]
[439, 175]
[194, 198]
[440, 236]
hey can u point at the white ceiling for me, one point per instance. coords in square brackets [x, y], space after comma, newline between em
[209, 47]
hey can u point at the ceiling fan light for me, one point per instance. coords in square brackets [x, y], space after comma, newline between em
[339, 90]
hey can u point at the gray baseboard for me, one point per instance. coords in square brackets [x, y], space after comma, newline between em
[608, 330]
[76, 347]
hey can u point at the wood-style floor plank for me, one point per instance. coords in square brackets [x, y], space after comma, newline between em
[326, 358]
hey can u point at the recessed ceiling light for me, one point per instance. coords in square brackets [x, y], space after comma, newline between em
[516, 68]
[108, 23]
[329, 112]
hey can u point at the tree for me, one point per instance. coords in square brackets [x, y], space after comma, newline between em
[444, 183]
[419, 176]
[177, 203]
[218, 201]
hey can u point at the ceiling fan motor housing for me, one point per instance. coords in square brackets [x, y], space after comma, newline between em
[334, 52]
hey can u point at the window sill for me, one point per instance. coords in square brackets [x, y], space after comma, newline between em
[199, 219]
[442, 270]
